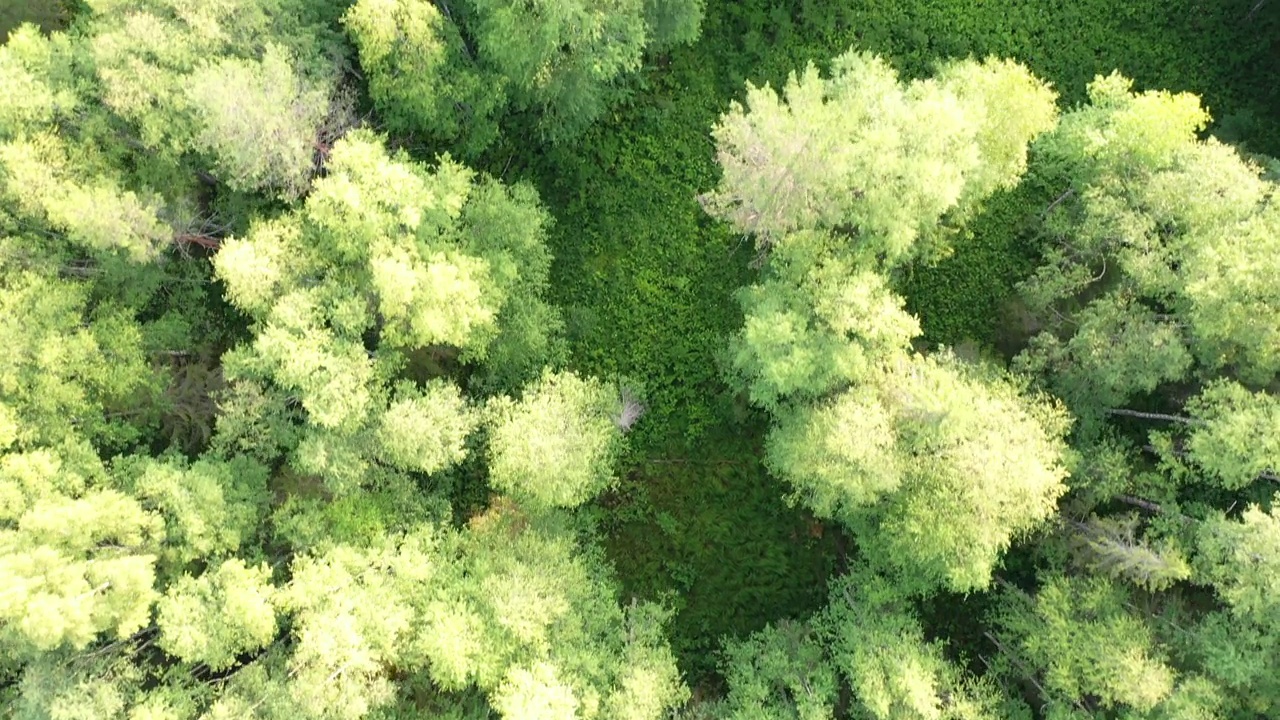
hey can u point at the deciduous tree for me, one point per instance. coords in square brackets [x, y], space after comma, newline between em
[419, 259]
[555, 446]
[881, 160]
[422, 76]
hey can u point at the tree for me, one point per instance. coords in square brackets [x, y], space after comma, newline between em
[1082, 638]
[511, 605]
[1159, 334]
[72, 370]
[1159, 243]
[423, 260]
[211, 509]
[229, 80]
[27, 62]
[672, 22]
[422, 76]
[566, 58]
[261, 121]
[884, 161]
[1111, 546]
[869, 640]
[306, 563]
[224, 613]
[879, 646]
[1120, 348]
[78, 566]
[99, 215]
[1229, 436]
[817, 322]
[825, 345]
[562, 57]
[555, 447]
[934, 465]
[781, 671]
[1235, 434]
[426, 431]
[1242, 561]
[451, 71]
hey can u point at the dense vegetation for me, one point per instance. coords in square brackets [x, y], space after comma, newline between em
[639, 358]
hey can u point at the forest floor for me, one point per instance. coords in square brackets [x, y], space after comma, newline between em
[48, 14]
[646, 280]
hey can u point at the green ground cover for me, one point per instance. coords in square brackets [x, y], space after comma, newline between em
[48, 14]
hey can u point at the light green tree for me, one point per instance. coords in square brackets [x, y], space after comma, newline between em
[1234, 435]
[893, 671]
[1112, 546]
[555, 447]
[782, 671]
[1083, 639]
[1120, 348]
[565, 59]
[95, 213]
[422, 76]
[936, 466]
[231, 81]
[219, 615]
[71, 370]
[561, 57]
[450, 70]
[259, 121]
[511, 606]
[815, 323]
[305, 566]
[426, 430]
[65, 589]
[421, 259]
[1157, 255]
[869, 640]
[1156, 318]
[535, 693]
[1241, 559]
[1240, 643]
[28, 63]
[211, 508]
[878, 159]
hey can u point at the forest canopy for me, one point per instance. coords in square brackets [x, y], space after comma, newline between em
[640, 359]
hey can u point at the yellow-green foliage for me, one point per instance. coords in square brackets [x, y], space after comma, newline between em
[421, 76]
[1086, 641]
[373, 531]
[879, 159]
[556, 445]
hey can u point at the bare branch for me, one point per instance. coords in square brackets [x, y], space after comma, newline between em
[1154, 416]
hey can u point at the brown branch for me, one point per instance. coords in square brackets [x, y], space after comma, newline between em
[1154, 507]
[1154, 416]
[1141, 503]
[1055, 203]
[207, 242]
